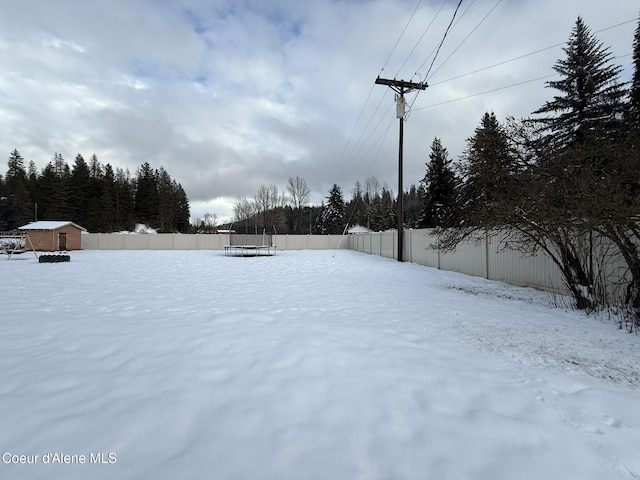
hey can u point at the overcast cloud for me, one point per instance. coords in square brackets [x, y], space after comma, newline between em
[229, 95]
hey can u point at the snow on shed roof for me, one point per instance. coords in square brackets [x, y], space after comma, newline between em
[49, 225]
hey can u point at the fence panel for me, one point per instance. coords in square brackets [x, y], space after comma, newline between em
[516, 268]
[175, 241]
[417, 248]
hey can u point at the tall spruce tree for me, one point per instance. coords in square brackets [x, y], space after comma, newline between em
[634, 91]
[81, 193]
[96, 210]
[124, 199]
[167, 201]
[590, 94]
[386, 210]
[146, 196]
[182, 214]
[357, 206]
[413, 201]
[333, 214]
[18, 209]
[107, 218]
[486, 168]
[439, 186]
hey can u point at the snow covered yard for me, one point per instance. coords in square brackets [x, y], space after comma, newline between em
[175, 364]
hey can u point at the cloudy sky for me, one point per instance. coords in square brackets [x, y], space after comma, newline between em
[229, 95]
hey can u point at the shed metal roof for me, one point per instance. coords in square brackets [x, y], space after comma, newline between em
[49, 225]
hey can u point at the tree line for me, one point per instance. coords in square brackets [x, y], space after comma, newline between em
[372, 205]
[93, 195]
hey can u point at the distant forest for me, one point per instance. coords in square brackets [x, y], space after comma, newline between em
[93, 195]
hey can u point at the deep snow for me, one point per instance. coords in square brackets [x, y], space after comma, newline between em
[304, 365]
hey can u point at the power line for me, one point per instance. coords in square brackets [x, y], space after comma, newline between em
[443, 38]
[342, 154]
[422, 36]
[401, 35]
[434, 49]
[465, 38]
[355, 126]
[485, 92]
[527, 55]
[498, 64]
[358, 144]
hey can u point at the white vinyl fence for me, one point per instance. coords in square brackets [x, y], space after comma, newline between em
[176, 241]
[487, 258]
[492, 259]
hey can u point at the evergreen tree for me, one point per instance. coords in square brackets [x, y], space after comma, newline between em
[413, 200]
[357, 206]
[146, 196]
[53, 193]
[590, 93]
[167, 206]
[107, 218]
[16, 172]
[439, 186]
[4, 206]
[95, 168]
[80, 192]
[124, 201]
[17, 211]
[33, 187]
[386, 210]
[95, 208]
[182, 214]
[333, 215]
[487, 167]
[634, 92]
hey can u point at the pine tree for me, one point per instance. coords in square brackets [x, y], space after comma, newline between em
[167, 201]
[95, 209]
[146, 196]
[357, 206]
[107, 218]
[439, 186]
[80, 192]
[16, 172]
[634, 92]
[590, 98]
[387, 210]
[18, 211]
[413, 206]
[53, 192]
[333, 215]
[487, 167]
[182, 214]
[124, 201]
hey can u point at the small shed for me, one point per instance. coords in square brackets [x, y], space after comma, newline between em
[52, 236]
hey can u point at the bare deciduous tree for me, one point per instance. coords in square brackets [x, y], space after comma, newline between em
[298, 192]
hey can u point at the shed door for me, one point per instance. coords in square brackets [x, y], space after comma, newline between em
[62, 241]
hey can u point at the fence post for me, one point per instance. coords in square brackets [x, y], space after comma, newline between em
[486, 254]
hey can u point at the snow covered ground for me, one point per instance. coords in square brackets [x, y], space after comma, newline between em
[189, 365]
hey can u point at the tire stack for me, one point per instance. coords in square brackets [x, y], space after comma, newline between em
[54, 258]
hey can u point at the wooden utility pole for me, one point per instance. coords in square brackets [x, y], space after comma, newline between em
[400, 87]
